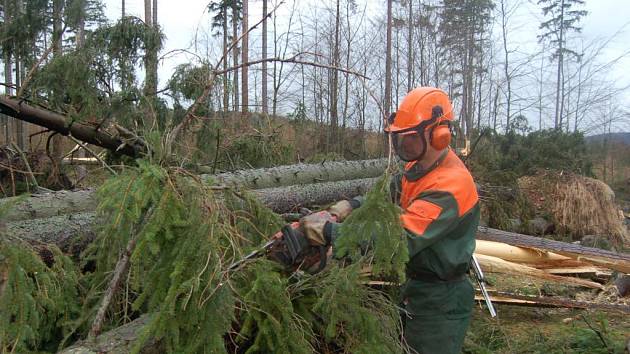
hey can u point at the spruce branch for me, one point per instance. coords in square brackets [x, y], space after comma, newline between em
[119, 272]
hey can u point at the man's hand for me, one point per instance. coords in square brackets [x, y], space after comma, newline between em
[313, 226]
[341, 210]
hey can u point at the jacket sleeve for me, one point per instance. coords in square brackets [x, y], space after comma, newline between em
[428, 219]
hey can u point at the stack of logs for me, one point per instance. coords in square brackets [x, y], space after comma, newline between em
[67, 218]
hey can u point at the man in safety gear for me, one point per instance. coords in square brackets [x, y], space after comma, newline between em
[440, 213]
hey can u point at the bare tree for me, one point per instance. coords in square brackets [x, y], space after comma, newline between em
[235, 21]
[8, 74]
[334, 115]
[245, 59]
[388, 61]
[265, 101]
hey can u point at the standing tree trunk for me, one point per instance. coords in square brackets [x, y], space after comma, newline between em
[8, 77]
[506, 67]
[80, 38]
[245, 59]
[559, 75]
[226, 76]
[122, 15]
[150, 61]
[388, 62]
[333, 140]
[19, 126]
[265, 101]
[235, 20]
[57, 140]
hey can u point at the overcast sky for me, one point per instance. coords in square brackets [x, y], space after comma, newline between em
[181, 20]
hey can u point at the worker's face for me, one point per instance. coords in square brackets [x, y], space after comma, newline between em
[408, 145]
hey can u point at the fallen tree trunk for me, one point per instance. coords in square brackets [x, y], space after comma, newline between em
[300, 174]
[118, 340]
[497, 265]
[70, 202]
[516, 254]
[60, 124]
[39, 206]
[67, 230]
[72, 232]
[596, 256]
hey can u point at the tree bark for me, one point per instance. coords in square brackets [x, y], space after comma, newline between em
[236, 92]
[72, 232]
[388, 61]
[265, 101]
[58, 123]
[70, 202]
[57, 140]
[608, 259]
[333, 138]
[245, 59]
[118, 340]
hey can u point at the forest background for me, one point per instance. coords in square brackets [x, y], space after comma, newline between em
[309, 83]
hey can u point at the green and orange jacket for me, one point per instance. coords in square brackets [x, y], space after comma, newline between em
[440, 213]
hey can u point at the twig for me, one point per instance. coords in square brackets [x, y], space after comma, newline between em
[599, 334]
[29, 76]
[216, 153]
[292, 60]
[81, 144]
[28, 166]
[121, 269]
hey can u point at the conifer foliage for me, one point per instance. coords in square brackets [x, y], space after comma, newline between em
[375, 226]
[186, 236]
[38, 302]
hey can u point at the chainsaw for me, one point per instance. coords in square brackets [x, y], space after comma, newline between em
[291, 248]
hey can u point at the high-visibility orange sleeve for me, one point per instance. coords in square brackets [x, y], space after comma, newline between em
[420, 215]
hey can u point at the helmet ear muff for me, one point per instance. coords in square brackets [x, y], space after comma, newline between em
[440, 136]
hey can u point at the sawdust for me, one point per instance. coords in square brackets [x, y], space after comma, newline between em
[579, 205]
[608, 295]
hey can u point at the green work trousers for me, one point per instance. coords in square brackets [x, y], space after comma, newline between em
[438, 315]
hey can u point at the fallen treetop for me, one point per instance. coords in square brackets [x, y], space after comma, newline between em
[63, 125]
[70, 202]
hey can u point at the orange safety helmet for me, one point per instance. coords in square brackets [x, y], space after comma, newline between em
[424, 108]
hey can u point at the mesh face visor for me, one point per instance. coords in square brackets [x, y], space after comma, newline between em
[409, 145]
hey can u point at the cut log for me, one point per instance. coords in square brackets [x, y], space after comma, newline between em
[69, 202]
[497, 265]
[516, 254]
[596, 256]
[63, 125]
